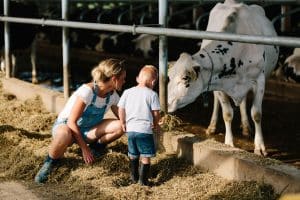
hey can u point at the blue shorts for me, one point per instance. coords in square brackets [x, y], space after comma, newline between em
[140, 144]
[58, 122]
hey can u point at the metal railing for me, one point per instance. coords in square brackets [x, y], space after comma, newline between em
[170, 32]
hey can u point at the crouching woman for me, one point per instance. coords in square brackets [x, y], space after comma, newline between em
[81, 120]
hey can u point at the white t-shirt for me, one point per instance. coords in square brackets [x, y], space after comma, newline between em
[85, 93]
[138, 103]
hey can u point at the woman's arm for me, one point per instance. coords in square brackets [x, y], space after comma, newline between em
[75, 114]
[114, 109]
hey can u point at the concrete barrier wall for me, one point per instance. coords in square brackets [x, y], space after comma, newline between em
[54, 101]
[233, 163]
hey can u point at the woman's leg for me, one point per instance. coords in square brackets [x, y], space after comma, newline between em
[61, 140]
[107, 131]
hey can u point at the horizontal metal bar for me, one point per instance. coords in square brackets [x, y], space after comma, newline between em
[171, 32]
[186, 1]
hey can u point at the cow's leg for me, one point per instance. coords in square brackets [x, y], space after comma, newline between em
[227, 116]
[33, 62]
[244, 118]
[256, 114]
[13, 65]
[211, 129]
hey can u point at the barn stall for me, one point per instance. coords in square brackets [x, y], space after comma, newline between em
[191, 121]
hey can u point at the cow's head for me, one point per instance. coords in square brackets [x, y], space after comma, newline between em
[184, 82]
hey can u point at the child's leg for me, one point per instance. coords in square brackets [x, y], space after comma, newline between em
[134, 169]
[133, 154]
[144, 171]
[146, 148]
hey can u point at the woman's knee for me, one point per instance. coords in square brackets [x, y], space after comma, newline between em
[63, 136]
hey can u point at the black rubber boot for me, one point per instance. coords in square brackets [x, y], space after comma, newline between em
[144, 174]
[134, 170]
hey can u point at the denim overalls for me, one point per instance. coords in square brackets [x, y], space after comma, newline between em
[90, 117]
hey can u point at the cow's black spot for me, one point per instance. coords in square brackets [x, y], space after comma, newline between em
[213, 51]
[202, 56]
[264, 55]
[240, 63]
[221, 50]
[276, 49]
[250, 61]
[197, 70]
[230, 71]
[230, 43]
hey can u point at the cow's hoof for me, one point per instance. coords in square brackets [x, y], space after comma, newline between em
[230, 144]
[210, 130]
[245, 131]
[260, 152]
[34, 81]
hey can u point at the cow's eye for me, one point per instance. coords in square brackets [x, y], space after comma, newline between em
[185, 78]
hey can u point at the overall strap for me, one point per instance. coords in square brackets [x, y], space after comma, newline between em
[95, 91]
[107, 98]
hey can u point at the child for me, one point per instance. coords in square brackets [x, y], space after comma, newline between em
[139, 114]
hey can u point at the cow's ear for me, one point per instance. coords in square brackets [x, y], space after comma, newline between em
[197, 70]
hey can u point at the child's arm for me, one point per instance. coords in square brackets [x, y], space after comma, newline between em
[156, 118]
[122, 117]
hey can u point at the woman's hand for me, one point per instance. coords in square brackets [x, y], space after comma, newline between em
[88, 156]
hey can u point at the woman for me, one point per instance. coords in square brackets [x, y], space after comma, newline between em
[81, 120]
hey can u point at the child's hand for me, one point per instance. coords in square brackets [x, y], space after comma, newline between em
[123, 125]
[157, 129]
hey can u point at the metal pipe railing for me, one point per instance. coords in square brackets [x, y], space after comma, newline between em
[187, 1]
[170, 32]
[65, 50]
[6, 40]
[163, 57]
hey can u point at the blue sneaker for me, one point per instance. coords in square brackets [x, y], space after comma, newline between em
[42, 175]
[97, 149]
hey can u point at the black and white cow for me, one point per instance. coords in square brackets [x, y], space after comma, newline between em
[147, 46]
[291, 66]
[22, 36]
[290, 69]
[231, 68]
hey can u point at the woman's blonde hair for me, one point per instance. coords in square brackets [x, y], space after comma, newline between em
[107, 69]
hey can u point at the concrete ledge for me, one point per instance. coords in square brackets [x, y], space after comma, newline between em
[54, 101]
[282, 89]
[233, 163]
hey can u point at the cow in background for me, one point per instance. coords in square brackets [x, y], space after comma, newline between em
[232, 68]
[290, 69]
[22, 36]
[146, 46]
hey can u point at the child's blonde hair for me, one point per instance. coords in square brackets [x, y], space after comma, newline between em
[148, 74]
[107, 69]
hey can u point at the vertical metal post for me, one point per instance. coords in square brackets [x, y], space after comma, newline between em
[285, 23]
[65, 50]
[6, 40]
[163, 57]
